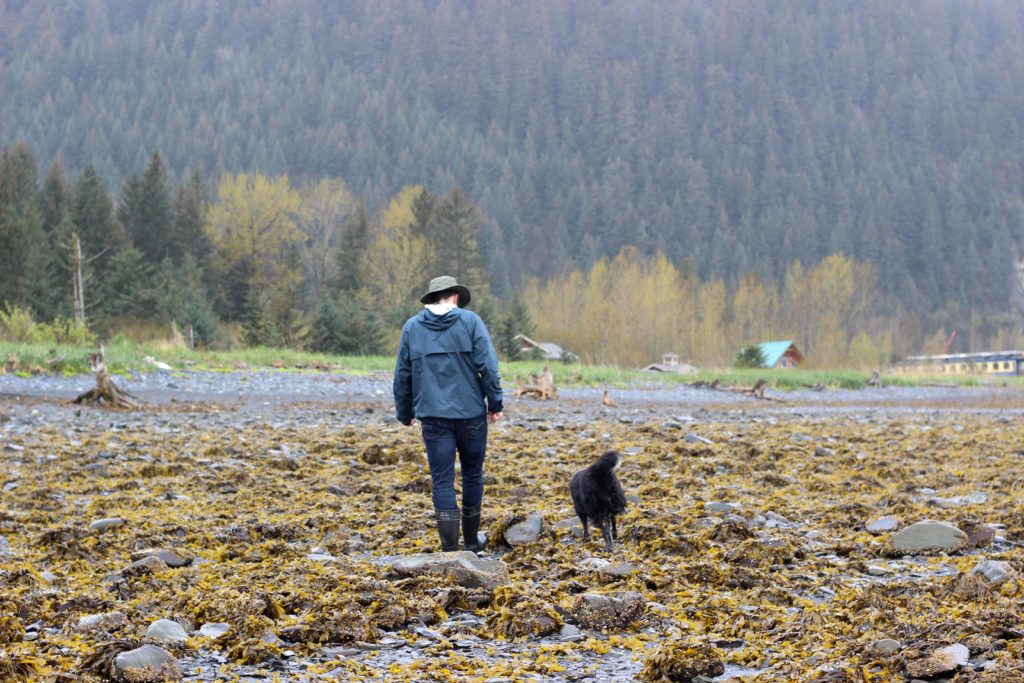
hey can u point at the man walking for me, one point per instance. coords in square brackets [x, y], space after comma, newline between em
[446, 376]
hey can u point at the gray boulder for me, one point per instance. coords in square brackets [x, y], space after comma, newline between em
[885, 646]
[526, 531]
[107, 523]
[592, 610]
[166, 630]
[468, 570]
[883, 525]
[214, 630]
[146, 664]
[995, 572]
[927, 535]
[942, 661]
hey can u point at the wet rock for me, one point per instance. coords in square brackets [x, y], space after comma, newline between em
[619, 569]
[527, 531]
[943, 660]
[706, 522]
[978, 535]
[683, 660]
[884, 646]
[823, 452]
[996, 573]
[774, 519]
[172, 558]
[478, 573]
[605, 611]
[146, 565]
[927, 535]
[720, 507]
[694, 438]
[108, 621]
[633, 450]
[107, 523]
[468, 570]
[146, 664]
[572, 524]
[883, 525]
[214, 630]
[167, 631]
[589, 564]
[569, 632]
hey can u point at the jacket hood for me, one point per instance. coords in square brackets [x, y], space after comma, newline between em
[433, 321]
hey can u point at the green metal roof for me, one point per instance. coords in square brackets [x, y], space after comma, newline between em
[773, 351]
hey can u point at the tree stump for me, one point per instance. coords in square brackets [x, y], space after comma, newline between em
[105, 390]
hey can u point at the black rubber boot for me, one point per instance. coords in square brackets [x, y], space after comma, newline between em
[473, 538]
[448, 529]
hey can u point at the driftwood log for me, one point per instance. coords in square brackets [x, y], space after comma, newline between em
[756, 391]
[105, 390]
[541, 387]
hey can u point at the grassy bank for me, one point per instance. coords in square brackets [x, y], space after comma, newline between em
[126, 356]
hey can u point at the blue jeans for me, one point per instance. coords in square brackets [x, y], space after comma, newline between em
[443, 437]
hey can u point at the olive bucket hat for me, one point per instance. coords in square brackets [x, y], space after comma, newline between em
[445, 283]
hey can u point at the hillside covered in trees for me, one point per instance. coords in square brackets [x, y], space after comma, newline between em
[733, 138]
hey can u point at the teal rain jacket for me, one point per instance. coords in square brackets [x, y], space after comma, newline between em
[446, 367]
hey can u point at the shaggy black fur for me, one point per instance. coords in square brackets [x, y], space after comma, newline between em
[597, 496]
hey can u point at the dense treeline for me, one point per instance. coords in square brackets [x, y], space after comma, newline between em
[314, 267]
[283, 265]
[733, 138]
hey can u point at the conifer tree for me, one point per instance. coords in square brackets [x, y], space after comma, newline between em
[20, 227]
[188, 216]
[127, 285]
[355, 240]
[456, 228]
[181, 298]
[327, 334]
[92, 219]
[516, 321]
[145, 211]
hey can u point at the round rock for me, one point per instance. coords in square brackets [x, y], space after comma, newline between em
[928, 535]
[995, 572]
[167, 631]
[526, 531]
[106, 523]
[883, 525]
[146, 664]
[214, 630]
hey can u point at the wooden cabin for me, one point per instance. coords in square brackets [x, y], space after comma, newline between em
[781, 354]
[545, 350]
[670, 363]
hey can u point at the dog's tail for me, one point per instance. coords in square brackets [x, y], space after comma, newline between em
[606, 464]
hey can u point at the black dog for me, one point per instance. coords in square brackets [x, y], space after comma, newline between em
[597, 496]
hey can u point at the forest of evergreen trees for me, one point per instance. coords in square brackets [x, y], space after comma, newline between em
[734, 138]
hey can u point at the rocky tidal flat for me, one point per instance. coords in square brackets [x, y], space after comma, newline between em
[276, 526]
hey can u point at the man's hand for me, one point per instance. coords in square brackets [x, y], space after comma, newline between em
[493, 417]
[412, 423]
